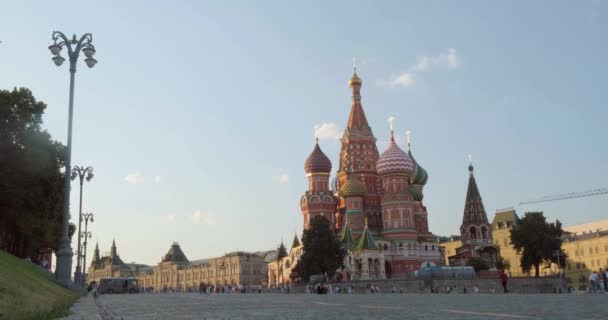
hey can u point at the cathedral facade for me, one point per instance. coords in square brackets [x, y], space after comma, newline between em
[375, 202]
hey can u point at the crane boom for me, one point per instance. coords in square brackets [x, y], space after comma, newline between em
[564, 196]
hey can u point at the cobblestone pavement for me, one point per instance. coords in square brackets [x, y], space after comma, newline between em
[371, 306]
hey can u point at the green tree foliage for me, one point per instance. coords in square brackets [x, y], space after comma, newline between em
[323, 253]
[31, 194]
[537, 240]
[478, 264]
[503, 264]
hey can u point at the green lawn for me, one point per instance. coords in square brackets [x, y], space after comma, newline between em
[28, 292]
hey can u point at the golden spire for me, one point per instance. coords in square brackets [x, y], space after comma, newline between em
[355, 80]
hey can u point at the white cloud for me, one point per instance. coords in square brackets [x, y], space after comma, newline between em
[448, 59]
[171, 218]
[283, 178]
[328, 130]
[157, 179]
[404, 79]
[135, 178]
[205, 218]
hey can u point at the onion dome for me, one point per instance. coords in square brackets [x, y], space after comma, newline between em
[355, 81]
[419, 176]
[353, 188]
[416, 191]
[317, 161]
[394, 160]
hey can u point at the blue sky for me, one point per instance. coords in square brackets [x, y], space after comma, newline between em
[199, 115]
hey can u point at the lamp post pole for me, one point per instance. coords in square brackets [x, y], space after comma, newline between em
[86, 235]
[558, 254]
[82, 173]
[74, 47]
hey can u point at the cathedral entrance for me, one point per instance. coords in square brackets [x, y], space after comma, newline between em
[387, 269]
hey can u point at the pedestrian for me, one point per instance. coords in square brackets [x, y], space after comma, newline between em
[503, 279]
[604, 275]
[593, 282]
[475, 289]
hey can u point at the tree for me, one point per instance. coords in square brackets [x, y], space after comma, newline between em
[502, 264]
[478, 264]
[537, 240]
[31, 183]
[322, 252]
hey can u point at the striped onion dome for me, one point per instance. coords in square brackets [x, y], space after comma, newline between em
[317, 161]
[394, 160]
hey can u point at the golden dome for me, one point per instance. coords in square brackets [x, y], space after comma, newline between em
[355, 80]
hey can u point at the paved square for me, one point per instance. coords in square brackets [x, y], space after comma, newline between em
[370, 306]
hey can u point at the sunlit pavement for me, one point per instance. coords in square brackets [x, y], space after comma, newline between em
[370, 306]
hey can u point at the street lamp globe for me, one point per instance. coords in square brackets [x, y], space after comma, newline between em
[90, 62]
[90, 175]
[58, 60]
[89, 52]
[55, 49]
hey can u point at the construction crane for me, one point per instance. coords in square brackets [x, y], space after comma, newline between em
[564, 196]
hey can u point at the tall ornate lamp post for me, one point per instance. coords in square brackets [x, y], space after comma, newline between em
[558, 254]
[82, 173]
[74, 47]
[86, 235]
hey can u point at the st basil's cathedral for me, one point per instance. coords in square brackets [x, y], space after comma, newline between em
[374, 203]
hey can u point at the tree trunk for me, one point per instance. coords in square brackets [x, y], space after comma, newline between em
[537, 270]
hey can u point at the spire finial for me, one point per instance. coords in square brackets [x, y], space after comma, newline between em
[470, 163]
[408, 135]
[366, 221]
[316, 127]
[354, 65]
[391, 120]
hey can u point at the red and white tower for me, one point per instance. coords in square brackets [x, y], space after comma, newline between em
[358, 157]
[318, 200]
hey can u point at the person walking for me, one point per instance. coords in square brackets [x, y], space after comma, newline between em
[503, 279]
[604, 275]
[593, 282]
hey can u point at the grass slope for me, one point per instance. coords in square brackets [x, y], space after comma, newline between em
[28, 292]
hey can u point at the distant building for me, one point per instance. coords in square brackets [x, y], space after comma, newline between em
[110, 266]
[475, 230]
[586, 251]
[176, 273]
[503, 222]
[585, 228]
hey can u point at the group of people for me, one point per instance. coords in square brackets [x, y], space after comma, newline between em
[598, 281]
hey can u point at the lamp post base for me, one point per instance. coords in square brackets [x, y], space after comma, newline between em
[77, 277]
[63, 268]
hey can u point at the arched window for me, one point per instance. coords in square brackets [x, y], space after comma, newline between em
[401, 246]
[473, 232]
